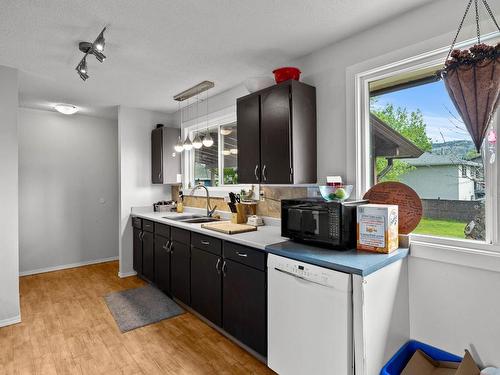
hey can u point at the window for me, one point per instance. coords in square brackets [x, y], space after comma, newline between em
[418, 138]
[206, 163]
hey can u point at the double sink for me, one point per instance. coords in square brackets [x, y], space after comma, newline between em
[192, 219]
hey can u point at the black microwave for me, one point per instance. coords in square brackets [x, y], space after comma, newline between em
[318, 222]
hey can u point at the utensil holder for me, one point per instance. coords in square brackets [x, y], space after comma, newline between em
[240, 216]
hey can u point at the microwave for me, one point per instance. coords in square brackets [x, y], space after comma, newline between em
[318, 222]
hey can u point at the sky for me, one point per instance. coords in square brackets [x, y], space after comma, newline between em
[433, 101]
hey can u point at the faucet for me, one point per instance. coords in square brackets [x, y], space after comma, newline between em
[210, 211]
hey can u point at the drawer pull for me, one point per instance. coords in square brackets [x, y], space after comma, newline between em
[203, 242]
[217, 266]
[243, 255]
[224, 268]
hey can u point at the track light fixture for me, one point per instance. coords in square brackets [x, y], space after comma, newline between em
[88, 48]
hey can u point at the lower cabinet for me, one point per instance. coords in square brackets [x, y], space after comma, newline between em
[180, 271]
[148, 262]
[137, 244]
[162, 263]
[206, 286]
[245, 305]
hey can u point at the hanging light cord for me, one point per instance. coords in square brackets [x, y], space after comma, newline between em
[490, 13]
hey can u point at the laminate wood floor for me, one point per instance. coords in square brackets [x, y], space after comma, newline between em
[67, 329]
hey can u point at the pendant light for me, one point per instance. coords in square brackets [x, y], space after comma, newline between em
[187, 144]
[178, 146]
[207, 139]
[197, 142]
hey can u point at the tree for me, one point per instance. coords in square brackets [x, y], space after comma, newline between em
[410, 125]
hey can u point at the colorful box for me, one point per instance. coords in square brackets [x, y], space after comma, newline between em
[377, 228]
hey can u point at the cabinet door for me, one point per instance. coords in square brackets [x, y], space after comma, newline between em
[244, 305]
[206, 286]
[157, 156]
[138, 251]
[162, 263]
[248, 120]
[148, 269]
[180, 271]
[275, 136]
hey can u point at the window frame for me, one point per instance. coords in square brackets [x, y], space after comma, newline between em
[359, 166]
[218, 119]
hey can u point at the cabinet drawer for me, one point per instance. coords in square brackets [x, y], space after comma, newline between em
[245, 255]
[210, 244]
[147, 226]
[180, 235]
[162, 230]
[137, 222]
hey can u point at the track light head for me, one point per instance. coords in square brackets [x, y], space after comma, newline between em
[99, 56]
[83, 76]
[100, 42]
[82, 67]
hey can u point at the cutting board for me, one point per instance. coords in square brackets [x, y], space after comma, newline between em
[229, 228]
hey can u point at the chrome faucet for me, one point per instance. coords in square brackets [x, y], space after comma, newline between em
[210, 211]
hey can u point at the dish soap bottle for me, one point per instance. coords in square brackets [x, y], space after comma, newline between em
[180, 202]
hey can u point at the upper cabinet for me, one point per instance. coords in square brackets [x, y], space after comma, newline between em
[277, 135]
[165, 162]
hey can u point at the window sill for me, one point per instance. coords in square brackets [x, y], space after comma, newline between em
[483, 256]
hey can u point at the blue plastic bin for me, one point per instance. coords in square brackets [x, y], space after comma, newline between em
[399, 360]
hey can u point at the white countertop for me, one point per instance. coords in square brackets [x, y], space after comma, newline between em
[262, 237]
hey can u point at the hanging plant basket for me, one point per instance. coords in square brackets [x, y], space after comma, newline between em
[472, 79]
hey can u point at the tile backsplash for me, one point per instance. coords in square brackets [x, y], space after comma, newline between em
[269, 205]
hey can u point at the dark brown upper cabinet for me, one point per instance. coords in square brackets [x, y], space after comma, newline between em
[277, 135]
[165, 162]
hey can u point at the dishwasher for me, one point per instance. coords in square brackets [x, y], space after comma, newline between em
[309, 319]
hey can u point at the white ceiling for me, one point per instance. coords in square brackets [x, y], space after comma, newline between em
[157, 48]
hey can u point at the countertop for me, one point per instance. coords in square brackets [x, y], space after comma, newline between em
[350, 261]
[268, 238]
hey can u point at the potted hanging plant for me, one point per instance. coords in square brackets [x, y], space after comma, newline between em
[472, 79]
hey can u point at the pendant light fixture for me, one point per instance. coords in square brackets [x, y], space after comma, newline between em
[187, 143]
[179, 146]
[207, 139]
[197, 142]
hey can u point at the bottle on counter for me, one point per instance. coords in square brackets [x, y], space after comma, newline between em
[180, 202]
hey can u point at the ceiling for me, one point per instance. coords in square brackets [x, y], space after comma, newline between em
[157, 48]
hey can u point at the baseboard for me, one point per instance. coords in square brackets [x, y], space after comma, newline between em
[126, 274]
[66, 266]
[10, 321]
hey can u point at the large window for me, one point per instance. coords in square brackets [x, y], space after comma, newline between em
[418, 138]
[215, 165]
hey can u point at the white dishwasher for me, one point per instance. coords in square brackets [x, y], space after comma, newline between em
[309, 319]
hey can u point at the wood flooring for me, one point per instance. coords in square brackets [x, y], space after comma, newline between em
[67, 329]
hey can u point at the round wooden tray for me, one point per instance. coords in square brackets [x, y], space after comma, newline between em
[408, 201]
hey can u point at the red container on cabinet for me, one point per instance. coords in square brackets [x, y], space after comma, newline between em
[286, 73]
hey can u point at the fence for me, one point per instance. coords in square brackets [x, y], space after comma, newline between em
[464, 211]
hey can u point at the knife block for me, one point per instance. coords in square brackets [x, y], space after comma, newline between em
[240, 216]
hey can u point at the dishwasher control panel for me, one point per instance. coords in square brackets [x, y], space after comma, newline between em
[309, 272]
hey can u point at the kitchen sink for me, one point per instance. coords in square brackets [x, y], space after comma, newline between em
[200, 220]
[183, 217]
[192, 219]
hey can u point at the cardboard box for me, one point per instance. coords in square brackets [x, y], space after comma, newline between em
[377, 228]
[421, 364]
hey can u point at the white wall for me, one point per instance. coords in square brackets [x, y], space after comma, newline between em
[68, 190]
[435, 182]
[135, 188]
[9, 246]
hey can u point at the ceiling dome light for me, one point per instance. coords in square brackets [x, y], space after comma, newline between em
[226, 131]
[178, 146]
[197, 142]
[207, 140]
[187, 144]
[66, 109]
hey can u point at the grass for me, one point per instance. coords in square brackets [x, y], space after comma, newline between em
[442, 228]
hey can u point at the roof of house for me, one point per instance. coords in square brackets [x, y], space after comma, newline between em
[428, 159]
[389, 143]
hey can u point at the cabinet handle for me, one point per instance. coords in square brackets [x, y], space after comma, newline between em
[217, 266]
[203, 242]
[255, 172]
[166, 247]
[243, 255]
[264, 172]
[159, 176]
[224, 268]
[170, 246]
[141, 235]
